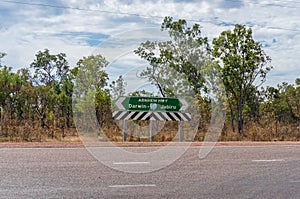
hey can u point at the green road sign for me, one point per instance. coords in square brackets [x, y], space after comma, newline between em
[151, 104]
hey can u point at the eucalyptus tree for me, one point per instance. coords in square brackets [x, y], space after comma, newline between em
[10, 86]
[117, 87]
[244, 67]
[282, 105]
[53, 86]
[183, 55]
[294, 99]
[90, 94]
[49, 68]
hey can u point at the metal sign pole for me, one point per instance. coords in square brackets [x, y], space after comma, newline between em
[180, 129]
[125, 130]
[151, 131]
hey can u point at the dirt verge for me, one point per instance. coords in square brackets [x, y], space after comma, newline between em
[133, 144]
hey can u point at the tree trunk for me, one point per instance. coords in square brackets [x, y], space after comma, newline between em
[232, 118]
[43, 118]
[240, 118]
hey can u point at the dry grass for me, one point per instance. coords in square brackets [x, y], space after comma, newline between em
[169, 132]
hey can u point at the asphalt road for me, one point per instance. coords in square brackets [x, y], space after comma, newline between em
[227, 172]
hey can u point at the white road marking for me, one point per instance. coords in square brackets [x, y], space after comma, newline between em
[132, 185]
[295, 181]
[130, 163]
[272, 160]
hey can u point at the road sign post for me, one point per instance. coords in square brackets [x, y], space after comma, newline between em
[180, 129]
[151, 108]
[151, 131]
[124, 130]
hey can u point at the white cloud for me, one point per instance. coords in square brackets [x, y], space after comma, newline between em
[27, 29]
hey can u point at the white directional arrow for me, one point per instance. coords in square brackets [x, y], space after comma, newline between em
[184, 104]
[119, 102]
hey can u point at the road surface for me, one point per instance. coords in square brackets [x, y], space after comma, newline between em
[262, 171]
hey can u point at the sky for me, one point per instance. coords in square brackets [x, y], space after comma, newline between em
[81, 28]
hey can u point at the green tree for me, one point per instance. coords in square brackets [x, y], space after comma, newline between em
[52, 75]
[117, 88]
[91, 74]
[10, 86]
[185, 54]
[244, 63]
[281, 105]
[49, 68]
[103, 106]
[89, 92]
[252, 105]
[64, 103]
[294, 99]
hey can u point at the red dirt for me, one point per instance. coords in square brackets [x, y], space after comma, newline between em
[132, 144]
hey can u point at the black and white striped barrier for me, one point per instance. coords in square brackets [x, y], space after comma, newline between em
[136, 115]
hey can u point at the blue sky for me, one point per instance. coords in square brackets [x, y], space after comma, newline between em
[78, 28]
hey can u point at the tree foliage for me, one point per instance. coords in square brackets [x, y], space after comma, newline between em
[244, 63]
[49, 69]
[90, 93]
[185, 53]
[117, 88]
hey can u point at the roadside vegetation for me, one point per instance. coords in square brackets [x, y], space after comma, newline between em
[36, 102]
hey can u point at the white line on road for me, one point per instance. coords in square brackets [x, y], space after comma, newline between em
[295, 181]
[132, 185]
[272, 160]
[130, 163]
